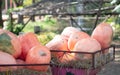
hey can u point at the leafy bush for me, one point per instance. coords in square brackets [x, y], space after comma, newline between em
[44, 38]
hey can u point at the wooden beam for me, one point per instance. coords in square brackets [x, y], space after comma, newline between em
[102, 9]
[70, 14]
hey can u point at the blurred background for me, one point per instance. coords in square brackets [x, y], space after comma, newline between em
[47, 18]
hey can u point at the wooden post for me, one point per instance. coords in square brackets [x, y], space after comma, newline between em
[11, 22]
[33, 1]
[33, 16]
[14, 5]
[37, 29]
[98, 14]
[1, 21]
[6, 5]
[11, 3]
[20, 19]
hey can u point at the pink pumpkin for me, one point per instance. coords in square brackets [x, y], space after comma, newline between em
[68, 31]
[86, 45]
[103, 33]
[74, 37]
[59, 42]
[6, 58]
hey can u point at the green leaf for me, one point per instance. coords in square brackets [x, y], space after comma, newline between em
[114, 1]
[117, 9]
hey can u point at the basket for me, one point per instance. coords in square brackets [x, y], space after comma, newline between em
[94, 65]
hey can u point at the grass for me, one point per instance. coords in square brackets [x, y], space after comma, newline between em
[45, 25]
[44, 38]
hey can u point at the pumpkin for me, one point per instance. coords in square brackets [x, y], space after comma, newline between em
[59, 42]
[27, 41]
[86, 45]
[39, 55]
[6, 58]
[10, 43]
[74, 37]
[60, 37]
[67, 58]
[68, 31]
[103, 33]
[19, 61]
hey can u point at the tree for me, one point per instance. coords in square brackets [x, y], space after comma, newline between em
[1, 21]
[116, 9]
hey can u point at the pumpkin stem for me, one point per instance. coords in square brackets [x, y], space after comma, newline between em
[42, 53]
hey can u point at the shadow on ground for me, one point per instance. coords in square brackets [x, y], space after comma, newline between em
[112, 68]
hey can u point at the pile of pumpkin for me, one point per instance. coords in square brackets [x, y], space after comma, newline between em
[26, 48]
[72, 40]
[22, 49]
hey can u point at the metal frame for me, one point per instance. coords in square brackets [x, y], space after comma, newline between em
[52, 64]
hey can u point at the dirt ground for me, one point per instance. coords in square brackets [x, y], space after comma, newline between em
[112, 68]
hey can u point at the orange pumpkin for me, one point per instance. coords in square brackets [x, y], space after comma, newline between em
[10, 43]
[67, 57]
[6, 58]
[68, 31]
[39, 55]
[74, 37]
[27, 40]
[103, 33]
[86, 45]
[59, 42]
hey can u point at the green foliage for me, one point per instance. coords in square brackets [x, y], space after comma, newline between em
[13, 28]
[115, 20]
[44, 38]
[17, 28]
[45, 25]
[117, 9]
[49, 19]
[117, 3]
[10, 10]
[116, 35]
[117, 31]
[27, 2]
[116, 28]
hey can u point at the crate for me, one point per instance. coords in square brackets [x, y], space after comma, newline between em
[94, 65]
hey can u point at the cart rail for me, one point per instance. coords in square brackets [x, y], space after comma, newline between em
[94, 68]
